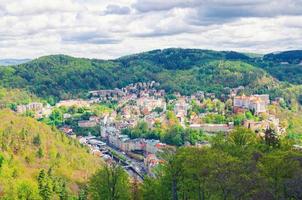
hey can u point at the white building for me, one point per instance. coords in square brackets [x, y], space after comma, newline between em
[257, 103]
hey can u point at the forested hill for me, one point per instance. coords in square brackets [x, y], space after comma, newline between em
[37, 160]
[285, 66]
[292, 57]
[183, 70]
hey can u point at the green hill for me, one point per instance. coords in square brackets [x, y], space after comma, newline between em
[27, 147]
[285, 66]
[292, 57]
[183, 70]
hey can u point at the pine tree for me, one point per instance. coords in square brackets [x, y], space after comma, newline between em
[45, 185]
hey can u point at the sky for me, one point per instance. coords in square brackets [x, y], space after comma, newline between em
[110, 29]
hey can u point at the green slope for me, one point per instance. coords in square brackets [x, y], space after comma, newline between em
[23, 156]
[183, 70]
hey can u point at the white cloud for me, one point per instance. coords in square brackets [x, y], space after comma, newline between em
[100, 29]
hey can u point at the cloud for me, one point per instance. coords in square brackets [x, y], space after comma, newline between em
[219, 12]
[34, 7]
[100, 29]
[116, 10]
[159, 5]
[92, 37]
[205, 12]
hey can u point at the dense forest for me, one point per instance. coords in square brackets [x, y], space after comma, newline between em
[184, 70]
[239, 166]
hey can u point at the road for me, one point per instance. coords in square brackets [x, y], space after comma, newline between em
[135, 168]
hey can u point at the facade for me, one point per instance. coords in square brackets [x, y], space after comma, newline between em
[35, 106]
[87, 124]
[257, 103]
[213, 128]
[76, 103]
[151, 161]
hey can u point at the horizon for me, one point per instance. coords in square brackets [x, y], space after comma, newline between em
[56, 54]
[103, 30]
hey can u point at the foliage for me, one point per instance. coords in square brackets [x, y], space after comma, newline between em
[173, 135]
[27, 147]
[110, 182]
[236, 167]
[183, 70]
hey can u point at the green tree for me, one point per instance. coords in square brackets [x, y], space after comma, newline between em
[27, 190]
[277, 168]
[40, 153]
[37, 140]
[45, 185]
[271, 138]
[111, 182]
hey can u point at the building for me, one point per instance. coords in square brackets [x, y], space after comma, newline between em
[261, 126]
[147, 104]
[256, 103]
[34, 106]
[73, 102]
[154, 146]
[138, 144]
[150, 162]
[87, 124]
[213, 128]
[107, 94]
[67, 130]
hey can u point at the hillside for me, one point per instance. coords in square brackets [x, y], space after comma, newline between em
[11, 97]
[292, 57]
[61, 76]
[183, 70]
[285, 66]
[28, 146]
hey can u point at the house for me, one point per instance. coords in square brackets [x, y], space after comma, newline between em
[67, 130]
[181, 107]
[94, 119]
[284, 63]
[87, 124]
[67, 116]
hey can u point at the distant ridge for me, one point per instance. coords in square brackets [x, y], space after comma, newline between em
[7, 62]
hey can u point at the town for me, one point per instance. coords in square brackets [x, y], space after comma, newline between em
[126, 125]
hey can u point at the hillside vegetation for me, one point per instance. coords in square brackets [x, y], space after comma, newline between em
[285, 66]
[29, 150]
[11, 97]
[183, 70]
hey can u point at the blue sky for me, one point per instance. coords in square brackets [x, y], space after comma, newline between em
[109, 29]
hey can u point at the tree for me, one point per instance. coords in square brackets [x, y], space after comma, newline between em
[27, 190]
[111, 182]
[1, 161]
[37, 140]
[40, 153]
[135, 189]
[271, 138]
[242, 137]
[56, 117]
[45, 186]
[278, 168]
